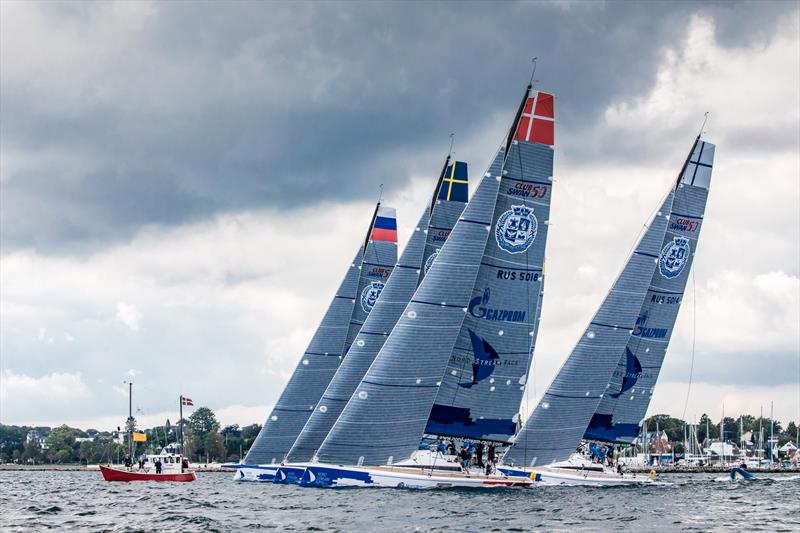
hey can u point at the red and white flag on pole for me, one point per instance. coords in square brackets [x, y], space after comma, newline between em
[186, 401]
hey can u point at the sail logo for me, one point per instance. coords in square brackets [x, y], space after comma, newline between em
[641, 329]
[484, 361]
[685, 224]
[674, 257]
[440, 235]
[516, 229]
[370, 295]
[478, 308]
[633, 371]
[528, 190]
[429, 261]
[379, 272]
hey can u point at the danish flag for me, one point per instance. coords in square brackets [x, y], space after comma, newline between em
[186, 401]
[537, 123]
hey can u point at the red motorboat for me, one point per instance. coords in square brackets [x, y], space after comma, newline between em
[169, 465]
[119, 474]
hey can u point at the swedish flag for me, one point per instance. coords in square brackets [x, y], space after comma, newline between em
[455, 183]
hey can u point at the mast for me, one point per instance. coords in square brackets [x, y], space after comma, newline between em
[439, 184]
[514, 124]
[130, 422]
[761, 434]
[371, 224]
[771, 430]
[722, 433]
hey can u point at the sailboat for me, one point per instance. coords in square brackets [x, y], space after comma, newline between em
[431, 232]
[602, 391]
[357, 295]
[456, 362]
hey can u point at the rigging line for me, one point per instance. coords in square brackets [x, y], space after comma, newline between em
[694, 339]
[534, 70]
[452, 140]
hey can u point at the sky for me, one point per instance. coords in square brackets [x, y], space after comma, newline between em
[183, 185]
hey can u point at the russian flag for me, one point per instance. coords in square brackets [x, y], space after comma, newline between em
[385, 226]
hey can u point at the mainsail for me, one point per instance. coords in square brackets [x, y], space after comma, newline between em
[619, 416]
[430, 234]
[485, 377]
[554, 429]
[387, 415]
[358, 293]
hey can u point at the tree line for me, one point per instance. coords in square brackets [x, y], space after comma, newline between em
[204, 439]
[710, 430]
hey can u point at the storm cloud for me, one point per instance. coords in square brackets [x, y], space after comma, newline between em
[182, 185]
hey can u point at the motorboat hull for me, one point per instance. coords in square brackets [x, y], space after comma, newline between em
[116, 474]
[333, 476]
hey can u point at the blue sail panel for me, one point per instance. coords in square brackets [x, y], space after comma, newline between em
[554, 429]
[620, 413]
[356, 296]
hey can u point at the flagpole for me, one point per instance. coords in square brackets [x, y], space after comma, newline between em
[180, 402]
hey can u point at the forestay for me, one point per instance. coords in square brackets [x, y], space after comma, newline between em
[554, 429]
[620, 413]
[433, 229]
[356, 296]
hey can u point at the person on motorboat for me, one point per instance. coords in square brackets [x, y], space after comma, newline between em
[158, 466]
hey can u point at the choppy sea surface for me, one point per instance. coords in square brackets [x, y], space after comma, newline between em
[63, 501]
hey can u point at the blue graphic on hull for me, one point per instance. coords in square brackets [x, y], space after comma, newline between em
[288, 475]
[320, 476]
[510, 472]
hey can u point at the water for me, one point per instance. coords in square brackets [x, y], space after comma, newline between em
[701, 502]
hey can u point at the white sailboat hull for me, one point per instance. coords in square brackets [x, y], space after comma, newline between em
[552, 475]
[334, 476]
[260, 473]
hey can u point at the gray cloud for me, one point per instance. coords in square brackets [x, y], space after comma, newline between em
[173, 112]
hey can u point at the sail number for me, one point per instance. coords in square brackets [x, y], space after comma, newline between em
[518, 275]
